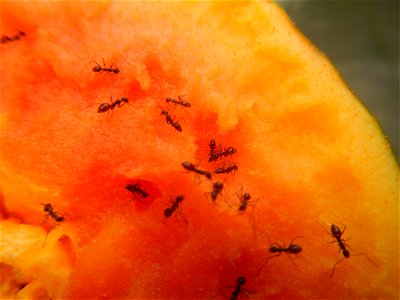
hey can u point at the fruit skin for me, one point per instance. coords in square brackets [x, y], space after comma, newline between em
[306, 149]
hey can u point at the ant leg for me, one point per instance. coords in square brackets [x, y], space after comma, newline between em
[333, 270]
[113, 64]
[95, 62]
[45, 220]
[237, 194]
[182, 215]
[296, 237]
[370, 260]
[252, 204]
[47, 233]
[329, 233]
[265, 263]
[104, 63]
[343, 230]
[111, 106]
[292, 261]
[347, 245]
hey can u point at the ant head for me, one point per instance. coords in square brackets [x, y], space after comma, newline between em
[346, 253]
[218, 185]
[168, 99]
[97, 69]
[47, 207]
[336, 232]
[179, 198]
[207, 174]
[188, 166]
[230, 150]
[115, 71]
[246, 196]
[131, 187]
[274, 249]
[178, 126]
[124, 99]
[295, 249]
[212, 144]
[164, 112]
[241, 280]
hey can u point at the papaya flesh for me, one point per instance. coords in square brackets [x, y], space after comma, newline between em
[306, 150]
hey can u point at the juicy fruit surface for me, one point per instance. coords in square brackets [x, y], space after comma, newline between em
[307, 152]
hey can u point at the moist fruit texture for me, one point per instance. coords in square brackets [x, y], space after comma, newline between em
[307, 152]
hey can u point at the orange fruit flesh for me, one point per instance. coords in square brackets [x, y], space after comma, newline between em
[307, 152]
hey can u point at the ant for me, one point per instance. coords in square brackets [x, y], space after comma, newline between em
[100, 69]
[337, 234]
[215, 155]
[244, 201]
[213, 145]
[237, 289]
[135, 189]
[290, 249]
[191, 167]
[241, 281]
[106, 107]
[229, 169]
[217, 189]
[6, 39]
[170, 121]
[48, 208]
[174, 206]
[178, 102]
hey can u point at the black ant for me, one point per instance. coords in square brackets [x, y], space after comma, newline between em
[237, 289]
[227, 170]
[48, 208]
[6, 39]
[213, 145]
[241, 281]
[218, 154]
[170, 121]
[174, 206]
[217, 189]
[337, 234]
[191, 167]
[100, 69]
[178, 102]
[290, 249]
[244, 201]
[135, 189]
[106, 107]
